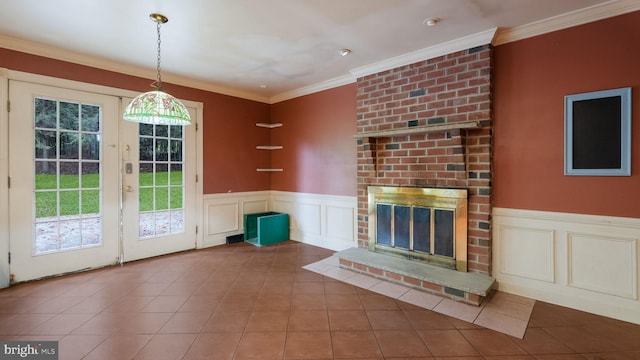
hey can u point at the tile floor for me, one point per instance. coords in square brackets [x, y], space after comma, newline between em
[506, 313]
[245, 302]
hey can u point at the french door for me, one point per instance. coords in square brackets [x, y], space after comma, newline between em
[159, 191]
[63, 197]
[89, 189]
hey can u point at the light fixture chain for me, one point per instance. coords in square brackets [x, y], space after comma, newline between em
[159, 87]
[157, 107]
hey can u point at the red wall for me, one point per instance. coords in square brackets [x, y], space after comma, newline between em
[531, 78]
[230, 138]
[229, 131]
[319, 151]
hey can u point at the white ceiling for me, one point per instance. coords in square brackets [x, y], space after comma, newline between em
[262, 47]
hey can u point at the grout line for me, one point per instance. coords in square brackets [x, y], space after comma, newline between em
[333, 267]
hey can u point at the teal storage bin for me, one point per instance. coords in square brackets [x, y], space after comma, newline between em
[266, 228]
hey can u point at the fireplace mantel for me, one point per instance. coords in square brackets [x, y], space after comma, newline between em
[463, 125]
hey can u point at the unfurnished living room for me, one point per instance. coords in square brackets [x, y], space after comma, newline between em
[407, 179]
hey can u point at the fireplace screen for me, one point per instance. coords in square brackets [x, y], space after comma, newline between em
[420, 224]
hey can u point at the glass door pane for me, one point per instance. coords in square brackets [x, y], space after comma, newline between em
[67, 168]
[161, 181]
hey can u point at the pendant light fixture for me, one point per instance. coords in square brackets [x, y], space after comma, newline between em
[157, 107]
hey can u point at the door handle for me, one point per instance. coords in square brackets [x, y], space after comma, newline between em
[128, 189]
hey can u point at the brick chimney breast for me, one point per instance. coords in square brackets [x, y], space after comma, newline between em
[438, 93]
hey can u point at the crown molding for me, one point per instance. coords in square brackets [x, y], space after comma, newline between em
[464, 43]
[48, 51]
[448, 47]
[492, 36]
[564, 21]
[314, 88]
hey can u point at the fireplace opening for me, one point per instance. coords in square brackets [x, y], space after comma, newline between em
[421, 224]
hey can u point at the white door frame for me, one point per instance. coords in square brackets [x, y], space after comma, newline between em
[4, 179]
[5, 76]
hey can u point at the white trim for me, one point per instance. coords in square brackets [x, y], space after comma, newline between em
[627, 256]
[464, 43]
[199, 174]
[69, 84]
[571, 118]
[230, 195]
[314, 88]
[585, 262]
[564, 21]
[223, 214]
[493, 36]
[613, 221]
[327, 221]
[4, 179]
[53, 52]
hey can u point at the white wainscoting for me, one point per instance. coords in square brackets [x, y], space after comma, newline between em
[223, 214]
[327, 221]
[585, 262]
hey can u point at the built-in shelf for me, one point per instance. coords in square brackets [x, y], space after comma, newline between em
[463, 125]
[270, 126]
[268, 147]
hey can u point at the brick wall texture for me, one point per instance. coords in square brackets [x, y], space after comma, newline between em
[443, 90]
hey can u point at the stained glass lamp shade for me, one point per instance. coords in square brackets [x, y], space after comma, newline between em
[158, 108]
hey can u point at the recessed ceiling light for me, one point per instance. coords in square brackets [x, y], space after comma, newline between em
[431, 21]
[345, 52]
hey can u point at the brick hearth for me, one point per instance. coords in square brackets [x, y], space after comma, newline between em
[471, 288]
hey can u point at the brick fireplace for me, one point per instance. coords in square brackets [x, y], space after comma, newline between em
[428, 125]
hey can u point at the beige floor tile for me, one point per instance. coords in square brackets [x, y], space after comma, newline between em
[389, 289]
[339, 274]
[421, 298]
[498, 321]
[458, 310]
[363, 281]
